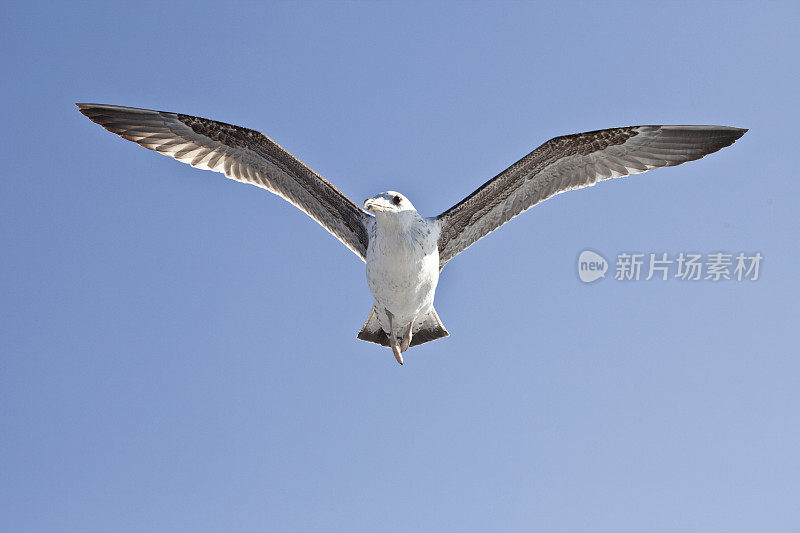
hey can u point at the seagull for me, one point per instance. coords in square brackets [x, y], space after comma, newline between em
[404, 252]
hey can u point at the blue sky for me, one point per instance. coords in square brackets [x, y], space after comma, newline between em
[179, 352]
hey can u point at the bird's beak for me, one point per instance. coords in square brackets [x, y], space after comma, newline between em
[372, 204]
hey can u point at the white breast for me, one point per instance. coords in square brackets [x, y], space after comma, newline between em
[403, 270]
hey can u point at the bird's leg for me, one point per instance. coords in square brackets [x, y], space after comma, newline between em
[393, 339]
[407, 338]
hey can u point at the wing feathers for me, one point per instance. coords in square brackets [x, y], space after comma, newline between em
[573, 162]
[241, 154]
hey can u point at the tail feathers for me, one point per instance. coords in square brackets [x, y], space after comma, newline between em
[428, 329]
[372, 330]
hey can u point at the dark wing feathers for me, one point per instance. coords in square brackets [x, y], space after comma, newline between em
[572, 162]
[241, 154]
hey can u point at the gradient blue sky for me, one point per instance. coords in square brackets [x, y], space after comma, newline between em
[179, 352]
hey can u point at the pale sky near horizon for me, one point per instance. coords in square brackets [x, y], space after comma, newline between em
[178, 352]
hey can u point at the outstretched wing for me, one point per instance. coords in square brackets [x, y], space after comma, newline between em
[572, 162]
[241, 154]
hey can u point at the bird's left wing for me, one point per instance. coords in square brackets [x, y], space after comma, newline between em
[241, 154]
[572, 162]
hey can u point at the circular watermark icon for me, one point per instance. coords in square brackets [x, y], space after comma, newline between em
[591, 266]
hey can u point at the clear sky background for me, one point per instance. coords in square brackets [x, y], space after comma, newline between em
[179, 352]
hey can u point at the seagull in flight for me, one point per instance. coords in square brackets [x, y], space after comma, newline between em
[404, 252]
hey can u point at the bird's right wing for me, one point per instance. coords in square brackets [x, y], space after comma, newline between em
[241, 154]
[572, 162]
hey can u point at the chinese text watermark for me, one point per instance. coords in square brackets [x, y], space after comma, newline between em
[685, 266]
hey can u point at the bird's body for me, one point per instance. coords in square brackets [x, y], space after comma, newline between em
[403, 251]
[402, 267]
[402, 272]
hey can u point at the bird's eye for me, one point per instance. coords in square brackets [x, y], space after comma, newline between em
[396, 200]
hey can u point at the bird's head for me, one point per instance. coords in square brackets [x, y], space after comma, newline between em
[392, 209]
[389, 204]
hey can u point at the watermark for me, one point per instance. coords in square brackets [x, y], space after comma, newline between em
[685, 266]
[591, 266]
